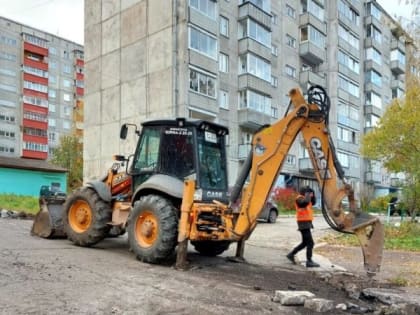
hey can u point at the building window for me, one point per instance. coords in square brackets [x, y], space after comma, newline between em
[373, 32]
[35, 86]
[51, 122]
[224, 99]
[274, 18]
[348, 111]
[52, 79]
[66, 124]
[371, 120]
[8, 88]
[67, 83]
[7, 40]
[52, 64]
[7, 56]
[35, 101]
[396, 54]
[397, 93]
[349, 37]
[35, 147]
[52, 50]
[35, 132]
[223, 62]
[274, 50]
[343, 159]
[290, 11]
[347, 135]
[348, 86]
[290, 41]
[35, 40]
[52, 108]
[255, 101]
[202, 42]
[290, 71]
[206, 7]
[52, 137]
[66, 68]
[52, 93]
[264, 5]
[250, 28]
[373, 54]
[313, 8]
[274, 81]
[254, 65]
[348, 61]
[374, 11]
[373, 77]
[34, 116]
[202, 83]
[291, 159]
[373, 99]
[8, 72]
[35, 71]
[67, 110]
[347, 12]
[66, 97]
[7, 134]
[274, 112]
[224, 26]
[310, 33]
[7, 103]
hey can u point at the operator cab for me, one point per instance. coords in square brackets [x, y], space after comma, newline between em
[181, 148]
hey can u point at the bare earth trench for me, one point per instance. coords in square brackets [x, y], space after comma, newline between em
[39, 276]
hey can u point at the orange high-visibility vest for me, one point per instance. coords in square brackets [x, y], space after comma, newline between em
[304, 214]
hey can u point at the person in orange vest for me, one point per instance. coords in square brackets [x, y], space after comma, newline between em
[304, 218]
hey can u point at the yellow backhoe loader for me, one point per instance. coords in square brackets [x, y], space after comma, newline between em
[175, 187]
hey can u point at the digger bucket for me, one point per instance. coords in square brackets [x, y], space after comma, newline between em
[370, 232]
[48, 221]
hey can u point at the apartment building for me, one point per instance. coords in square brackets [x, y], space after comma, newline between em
[234, 62]
[41, 82]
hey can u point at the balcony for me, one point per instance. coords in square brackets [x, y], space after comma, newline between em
[251, 119]
[346, 121]
[305, 165]
[373, 110]
[369, 86]
[397, 44]
[307, 18]
[203, 104]
[373, 177]
[371, 42]
[248, 9]
[371, 20]
[243, 151]
[371, 64]
[309, 77]
[248, 44]
[348, 146]
[312, 53]
[35, 49]
[397, 67]
[203, 21]
[35, 64]
[250, 81]
[397, 84]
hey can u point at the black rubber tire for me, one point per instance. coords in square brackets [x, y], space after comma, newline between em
[163, 247]
[272, 216]
[210, 248]
[101, 216]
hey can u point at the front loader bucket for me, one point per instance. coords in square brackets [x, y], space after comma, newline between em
[48, 221]
[370, 232]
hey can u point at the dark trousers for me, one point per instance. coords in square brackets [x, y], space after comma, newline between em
[307, 242]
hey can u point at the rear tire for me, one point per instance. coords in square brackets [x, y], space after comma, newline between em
[211, 248]
[153, 229]
[272, 216]
[86, 217]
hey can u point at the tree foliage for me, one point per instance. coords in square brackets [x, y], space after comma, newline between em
[396, 140]
[69, 154]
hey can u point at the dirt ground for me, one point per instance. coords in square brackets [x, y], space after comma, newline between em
[39, 276]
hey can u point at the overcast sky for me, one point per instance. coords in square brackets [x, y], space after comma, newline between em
[64, 18]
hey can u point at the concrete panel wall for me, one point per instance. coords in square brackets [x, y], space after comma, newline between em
[129, 74]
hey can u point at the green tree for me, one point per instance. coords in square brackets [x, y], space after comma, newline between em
[69, 154]
[396, 141]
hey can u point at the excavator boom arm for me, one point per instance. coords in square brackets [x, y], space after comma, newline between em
[270, 147]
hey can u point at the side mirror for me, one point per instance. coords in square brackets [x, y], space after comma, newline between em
[123, 131]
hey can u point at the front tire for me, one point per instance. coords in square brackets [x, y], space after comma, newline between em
[211, 248]
[272, 216]
[86, 217]
[153, 229]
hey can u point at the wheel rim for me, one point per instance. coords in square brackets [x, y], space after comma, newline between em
[80, 216]
[146, 229]
[273, 216]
